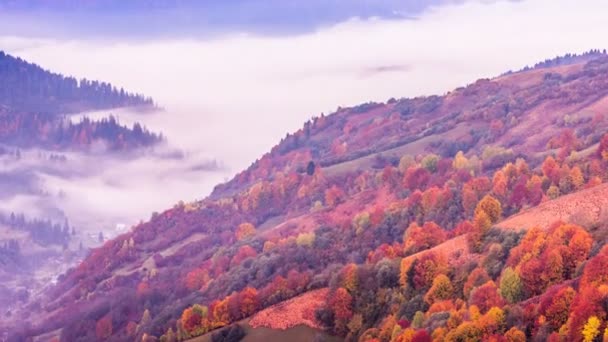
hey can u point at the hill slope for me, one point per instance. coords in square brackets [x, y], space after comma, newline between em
[390, 205]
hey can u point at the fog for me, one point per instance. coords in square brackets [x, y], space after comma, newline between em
[232, 97]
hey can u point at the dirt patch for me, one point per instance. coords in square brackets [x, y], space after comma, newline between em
[456, 250]
[291, 313]
[300, 333]
[178, 245]
[583, 207]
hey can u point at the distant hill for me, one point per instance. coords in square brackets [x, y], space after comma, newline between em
[34, 104]
[26, 87]
[396, 209]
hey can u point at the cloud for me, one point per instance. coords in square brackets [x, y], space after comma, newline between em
[232, 98]
[171, 18]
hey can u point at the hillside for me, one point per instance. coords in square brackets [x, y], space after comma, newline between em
[396, 208]
[521, 112]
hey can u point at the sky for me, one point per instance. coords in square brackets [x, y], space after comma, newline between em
[174, 18]
[230, 96]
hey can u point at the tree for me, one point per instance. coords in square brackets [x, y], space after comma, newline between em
[421, 336]
[416, 178]
[418, 320]
[333, 196]
[103, 328]
[361, 222]
[268, 246]
[143, 290]
[341, 304]
[460, 161]
[589, 301]
[491, 207]
[535, 191]
[355, 324]
[510, 285]
[170, 336]
[350, 278]
[481, 226]
[467, 331]
[386, 328]
[486, 296]
[499, 184]
[404, 271]
[493, 321]
[243, 253]
[429, 162]
[595, 273]
[591, 329]
[478, 277]
[191, 319]
[553, 192]
[249, 301]
[550, 169]
[556, 305]
[577, 177]
[427, 267]
[305, 239]
[441, 289]
[221, 316]
[469, 199]
[418, 238]
[602, 150]
[406, 162]
[515, 335]
[244, 231]
[196, 278]
[310, 168]
[145, 322]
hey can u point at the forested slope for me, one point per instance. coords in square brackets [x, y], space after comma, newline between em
[396, 208]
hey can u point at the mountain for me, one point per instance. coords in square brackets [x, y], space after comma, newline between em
[34, 103]
[399, 221]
